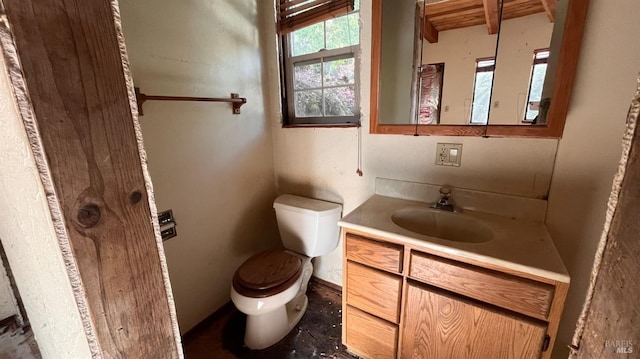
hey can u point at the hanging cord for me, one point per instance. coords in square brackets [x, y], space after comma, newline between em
[359, 133]
[495, 68]
[359, 136]
[419, 99]
[423, 20]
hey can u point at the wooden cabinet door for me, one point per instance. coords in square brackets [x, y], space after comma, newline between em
[442, 325]
[369, 336]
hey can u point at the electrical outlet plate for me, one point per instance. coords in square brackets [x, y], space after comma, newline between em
[448, 154]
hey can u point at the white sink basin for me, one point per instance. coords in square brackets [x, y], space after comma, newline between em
[443, 225]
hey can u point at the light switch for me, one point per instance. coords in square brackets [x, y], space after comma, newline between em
[453, 155]
[448, 154]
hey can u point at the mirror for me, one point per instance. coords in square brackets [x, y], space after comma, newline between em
[458, 62]
[400, 41]
[522, 62]
[460, 65]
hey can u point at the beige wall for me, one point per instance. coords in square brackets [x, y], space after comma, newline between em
[30, 242]
[322, 162]
[213, 168]
[590, 149]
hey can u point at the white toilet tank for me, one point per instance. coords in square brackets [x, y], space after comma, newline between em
[308, 226]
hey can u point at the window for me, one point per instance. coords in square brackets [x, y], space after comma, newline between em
[536, 83]
[482, 90]
[320, 70]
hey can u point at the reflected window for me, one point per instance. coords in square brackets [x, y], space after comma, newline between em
[482, 85]
[536, 83]
[321, 72]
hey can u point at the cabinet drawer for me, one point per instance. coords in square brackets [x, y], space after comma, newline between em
[503, 290]
[387, 256]
[368, 336]
[374, 291]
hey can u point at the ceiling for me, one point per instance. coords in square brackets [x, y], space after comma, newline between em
[445, 15]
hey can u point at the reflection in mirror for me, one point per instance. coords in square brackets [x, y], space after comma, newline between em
[523, 59]
[460, 36]
[430, 89]
[399, 48]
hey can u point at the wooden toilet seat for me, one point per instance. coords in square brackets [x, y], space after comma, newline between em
[267, 273]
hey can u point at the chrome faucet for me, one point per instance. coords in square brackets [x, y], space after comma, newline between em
[445, 203]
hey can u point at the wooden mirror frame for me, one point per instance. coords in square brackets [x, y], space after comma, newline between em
[561, 95]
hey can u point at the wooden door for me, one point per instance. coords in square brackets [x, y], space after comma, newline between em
[441, 325]
[68, 71]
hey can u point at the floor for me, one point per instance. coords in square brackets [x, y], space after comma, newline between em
[17, 342]
[318, 335]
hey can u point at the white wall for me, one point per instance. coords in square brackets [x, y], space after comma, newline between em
[213, 168]
[590, 149]
[30, 242]
[322, 162]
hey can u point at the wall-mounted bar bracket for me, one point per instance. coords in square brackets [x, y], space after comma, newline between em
[235, 99]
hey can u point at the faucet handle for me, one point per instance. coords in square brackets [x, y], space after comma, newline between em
[445, 192]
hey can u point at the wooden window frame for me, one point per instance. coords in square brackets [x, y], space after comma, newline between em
[492, 69]
[288, 61]
[536, 61]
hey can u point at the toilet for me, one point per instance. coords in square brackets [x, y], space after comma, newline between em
[270, 287]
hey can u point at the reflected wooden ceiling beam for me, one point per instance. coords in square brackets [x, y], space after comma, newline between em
[492, 15]
[429, 31]
[550, 8]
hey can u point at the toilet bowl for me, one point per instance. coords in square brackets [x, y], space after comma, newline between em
[271, 317]
[270, 287]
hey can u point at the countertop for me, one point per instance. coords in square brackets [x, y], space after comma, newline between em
[520, 245]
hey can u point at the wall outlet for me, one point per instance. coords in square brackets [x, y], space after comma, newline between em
[167, 225]
[448, 154]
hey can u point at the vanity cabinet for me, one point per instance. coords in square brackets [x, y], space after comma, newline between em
[403, 300]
